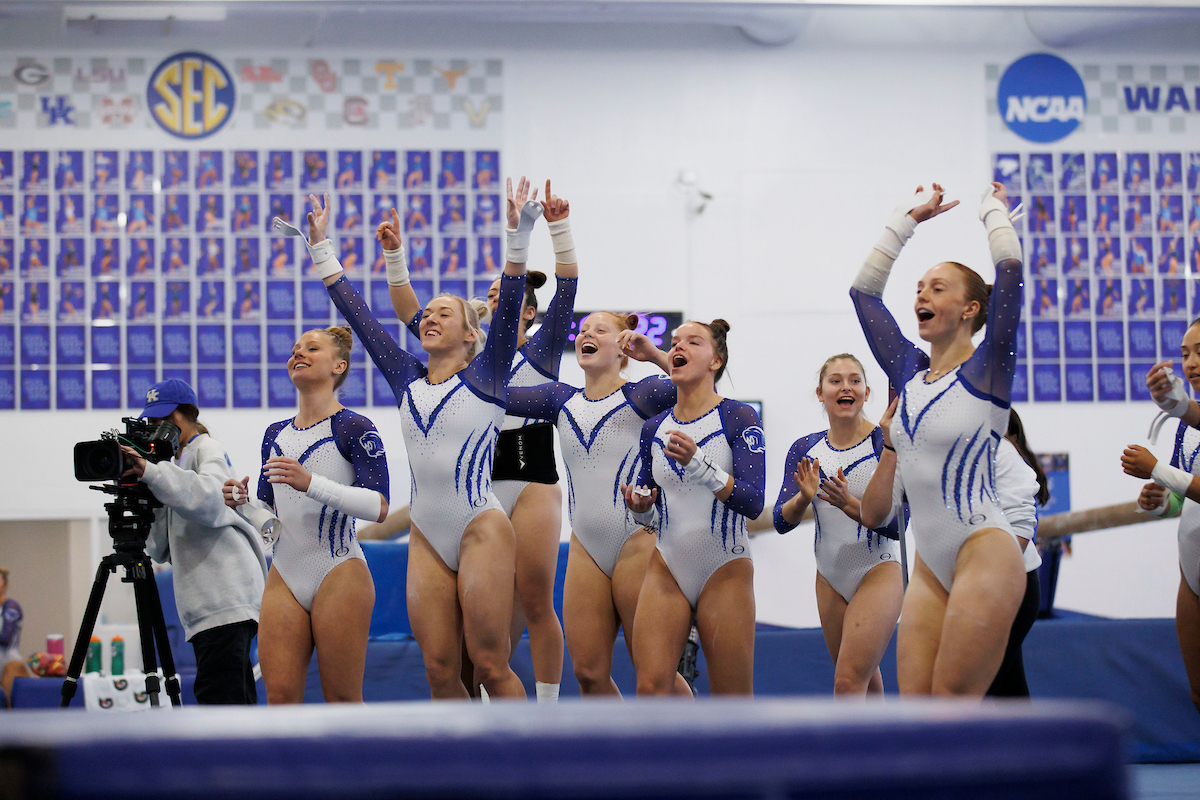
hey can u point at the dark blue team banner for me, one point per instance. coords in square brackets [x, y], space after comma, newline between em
[280, 339]
[210, 387]
[1171, 337]
[137, 383]
[8, 389]
[281, 300]
[1079, 381]
[1022, 341]
[354, 390]
[247, 344]
[247, 388]
[106, 349]
[1110, 382]
[1047, 382]
[106, 388]
[381, 301]
[1143, 340]
[281, 393]
[1020, 384]
[8, 344]
[35, 389]
[70, 389]
[1137, 379]
[210, 344]
[1077, 336]
[72, 344]
[35, 345]
[179, 373]
[176, 344]
[1110, 342]
[1045, 340]
[140, 344]
[314, 302]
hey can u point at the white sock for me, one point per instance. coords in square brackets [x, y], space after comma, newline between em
[547, 692]
[483, 695]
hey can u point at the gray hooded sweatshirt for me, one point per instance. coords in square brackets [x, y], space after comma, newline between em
[217, 557]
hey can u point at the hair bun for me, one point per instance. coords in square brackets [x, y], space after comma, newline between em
[631, 321]
[535, 279]
[342, 334]
[479, 306]
[719, 326]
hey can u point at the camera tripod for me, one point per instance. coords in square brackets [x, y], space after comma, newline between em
[129, 519]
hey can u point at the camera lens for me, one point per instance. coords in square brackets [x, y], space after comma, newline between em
[97, 461]
[101, 462]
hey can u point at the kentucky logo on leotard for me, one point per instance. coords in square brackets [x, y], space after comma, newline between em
[372, 445]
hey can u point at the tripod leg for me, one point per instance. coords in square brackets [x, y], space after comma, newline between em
[145, 631]
[159, 626]
[71, 684]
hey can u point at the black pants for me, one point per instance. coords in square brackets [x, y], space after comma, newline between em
[224, 674]
[1010, 680]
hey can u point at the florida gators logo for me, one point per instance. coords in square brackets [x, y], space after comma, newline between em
[755, 439]
[191, 95]
[372, 445]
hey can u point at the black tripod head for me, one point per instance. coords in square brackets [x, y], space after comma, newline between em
[130, 515]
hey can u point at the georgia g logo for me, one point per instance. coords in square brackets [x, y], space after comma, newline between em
[371, 444]
[190, 95]
[755, 439]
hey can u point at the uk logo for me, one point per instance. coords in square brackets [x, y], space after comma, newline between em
[57, 109]
[1041, 98]
[152, 396]
[191, 95]
[755, 439]
[371, 444]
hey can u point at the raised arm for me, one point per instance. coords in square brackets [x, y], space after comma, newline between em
[898, 357]
[404, 299]
[650, 396]
[545, 348]
[538, 402]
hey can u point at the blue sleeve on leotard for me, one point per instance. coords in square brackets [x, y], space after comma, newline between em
[988, 373]
[545, 348]
[266, 492]
[650, 396]
[538, 402]
[749, 445]
[359, 443]
[414, 324]
[899, 358]
[789, 489]
[399, 367]
[487, 374]
[645, 449]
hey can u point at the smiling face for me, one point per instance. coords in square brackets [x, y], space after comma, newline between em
[942, 307]
[596, 347]
[314, 360]
[444, 328]
[528, 312]
[693, 355]
[843, 388]
[1190, 350]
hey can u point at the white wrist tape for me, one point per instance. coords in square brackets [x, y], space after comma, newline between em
[1175, 404]
[564, 244]
[1158, 510]
[257, 514]
[353, 501]
[1172, 478]
[647, 519]
[1002, 237]
[324, 261]
[702, 471]
[397, 266]
[518, 238]
[873, 276]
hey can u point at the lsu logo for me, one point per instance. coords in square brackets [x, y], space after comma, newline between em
[1041, 98]
[755, 439]
[371, 444]
[190, 95]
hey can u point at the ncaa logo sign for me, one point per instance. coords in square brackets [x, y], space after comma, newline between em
[190, 95]
[1041, 98]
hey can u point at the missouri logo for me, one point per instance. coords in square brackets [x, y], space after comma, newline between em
[190, 95]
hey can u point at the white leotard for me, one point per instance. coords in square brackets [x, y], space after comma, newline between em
[1187, 447]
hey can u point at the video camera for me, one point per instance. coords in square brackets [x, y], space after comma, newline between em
[103, 460]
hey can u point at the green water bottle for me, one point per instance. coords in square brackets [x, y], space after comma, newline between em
[93, 656]
[118, 656]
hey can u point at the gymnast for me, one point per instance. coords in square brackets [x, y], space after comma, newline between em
[968, 579]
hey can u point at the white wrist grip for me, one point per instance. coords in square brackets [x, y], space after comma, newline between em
[1172, 478]
[325, 263]
[1002, 237]
[353, 501]
[702, 471]
[561, 239]
[1176, 402]
[518, 238]
[873, 276]
[397, 266]
[647, 519]
[257, 514]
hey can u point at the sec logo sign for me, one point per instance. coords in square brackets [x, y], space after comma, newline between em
[1041, 98]
[190, 95]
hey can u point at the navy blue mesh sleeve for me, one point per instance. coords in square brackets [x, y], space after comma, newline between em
[414, 324]
[650, 396]
[899, 358]
[789, 489]
[545, 348]
[487, 374]
[749, 446]
[359, 443]
[538, 402]
[646, 450]
[989, 371]
[399, 367]
[266, 492]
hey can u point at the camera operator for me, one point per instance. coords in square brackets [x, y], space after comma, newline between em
[217, 557]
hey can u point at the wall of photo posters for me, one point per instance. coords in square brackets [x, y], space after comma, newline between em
[123, 265]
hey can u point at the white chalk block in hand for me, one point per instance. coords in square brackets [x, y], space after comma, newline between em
[236, 492]
[641, 492]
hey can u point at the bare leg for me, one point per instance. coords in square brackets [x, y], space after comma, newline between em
[486, 569]
[285, 642]
[537, 519]
[341, 620]
[725, 619]
[989, 582]
[1187, 628]
[831, 608]
[920, 630]
[432, 593]
[662, 623]
[867, 627]
[591, 622]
